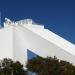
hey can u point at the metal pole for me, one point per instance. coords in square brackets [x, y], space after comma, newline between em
[0, 19]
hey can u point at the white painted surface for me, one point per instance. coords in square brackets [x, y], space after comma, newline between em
[43, 47]
[6, 42]
[16, 38]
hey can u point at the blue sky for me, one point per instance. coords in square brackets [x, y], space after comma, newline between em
[57, 15]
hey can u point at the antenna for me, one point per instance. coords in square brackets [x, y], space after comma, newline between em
[0, 19]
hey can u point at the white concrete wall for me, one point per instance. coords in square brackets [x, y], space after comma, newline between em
[40, 46]
[6, 42]
[19, 47]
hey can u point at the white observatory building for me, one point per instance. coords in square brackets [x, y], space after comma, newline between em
[17, 37]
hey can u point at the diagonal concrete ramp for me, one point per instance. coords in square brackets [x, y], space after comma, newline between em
[40, 45]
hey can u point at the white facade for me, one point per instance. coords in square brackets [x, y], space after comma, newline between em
[17, 37]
